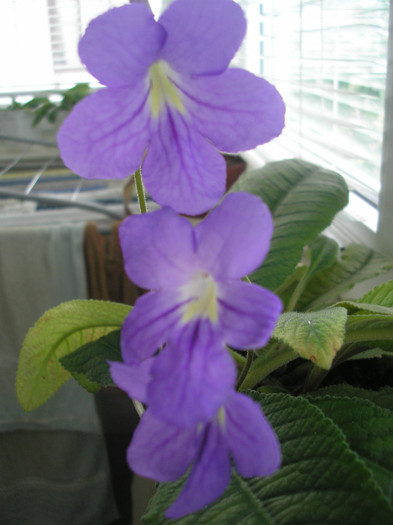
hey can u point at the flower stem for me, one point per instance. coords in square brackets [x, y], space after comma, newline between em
[269, 360]
[140, 191]
[246, 368]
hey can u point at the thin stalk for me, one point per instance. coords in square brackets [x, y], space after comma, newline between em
[246, 368]
[266, 363]
[140, 191]
[314, 378]
[296, 293]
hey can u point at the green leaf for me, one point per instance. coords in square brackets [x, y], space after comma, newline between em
[369, 327]
[355, 307]
[89, 362]
[382, 397]
[320, 254]
[60, 331]
[321, 481]
[303, 199]
[314, 335]
[368, 430]
[382, 295]
[357, 263]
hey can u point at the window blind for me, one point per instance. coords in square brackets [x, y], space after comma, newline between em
[328, 59]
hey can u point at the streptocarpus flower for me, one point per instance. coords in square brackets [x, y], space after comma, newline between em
[239, 429]
[186, 382]
[194, 274]
[169, 92]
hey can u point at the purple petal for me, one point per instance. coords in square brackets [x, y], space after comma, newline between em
[234, 238]
[247, 314]
[191, 377]
[120, 45]
[251, 439]
[158, 249]
[182, 170]
[236, 111]
[148, 325]
[106, 134]
[160, 451]
[209, 476]
[203, 35]
[133, 379]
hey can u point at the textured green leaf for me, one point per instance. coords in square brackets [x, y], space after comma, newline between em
[382, 397]
[321, 481]
[320, 254]
[90, 361]
[368, 429]
[382, 295]
[360, 307]
[314, 335]
[369, 327]
[357, 263]
[303, 199]
[60, 331]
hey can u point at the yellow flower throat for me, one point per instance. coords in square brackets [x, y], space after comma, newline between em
[163, 91]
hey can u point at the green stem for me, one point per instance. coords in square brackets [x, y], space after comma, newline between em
[314, 378]
[140, 191]
[269, 360]
[296, 293]
[246, 368]
[238, 358]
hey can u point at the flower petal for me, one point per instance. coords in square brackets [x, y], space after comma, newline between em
[247, 314]
[133, 379]
[203, 36]
[234, 238]
[251, 439]
[209, 476]
[160, 451]
[236, 111]
[148, 325]
[182, 170]
[120, 45]
[191, 377]
[106, 134]
[158, 249]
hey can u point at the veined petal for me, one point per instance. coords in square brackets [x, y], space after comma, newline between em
[158, 249]
[107, 133]
[148, 325]
[203, 35]
[209, 476]
[181, 169]
[120, 45]
[191, 377]
[251, 439]
[160, 451]
[236, 111]
[133, 379]
[247, 314]
[234, 238]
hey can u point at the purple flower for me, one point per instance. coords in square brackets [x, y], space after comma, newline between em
[169, 92]
[239, 429]
[186, 382]
[197, 303]
[194, 274]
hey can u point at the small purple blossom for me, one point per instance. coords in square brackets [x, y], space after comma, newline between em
[239, 430]
[186, 382]
[194, 274]
[169, 92]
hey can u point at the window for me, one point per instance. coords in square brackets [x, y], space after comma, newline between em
[328, 58]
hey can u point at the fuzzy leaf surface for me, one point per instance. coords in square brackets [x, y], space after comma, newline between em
[313, 335]
[321, 481]
[60, 331]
